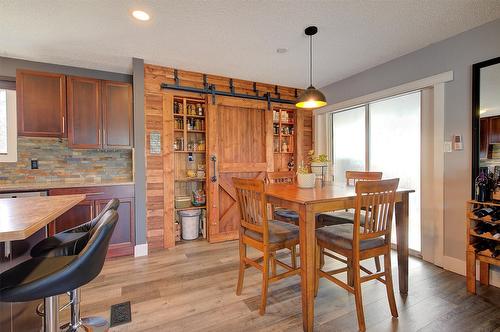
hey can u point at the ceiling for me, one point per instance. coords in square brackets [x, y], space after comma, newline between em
[234, 38]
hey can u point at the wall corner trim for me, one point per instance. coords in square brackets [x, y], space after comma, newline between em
[141, 250]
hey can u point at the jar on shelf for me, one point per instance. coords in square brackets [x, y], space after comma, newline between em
[201, 145]
[199, 109]
[190, 146]
[284, 147]
[180, 143]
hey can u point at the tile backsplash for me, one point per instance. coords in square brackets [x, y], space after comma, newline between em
[58, 163]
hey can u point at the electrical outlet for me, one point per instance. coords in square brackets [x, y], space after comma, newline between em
[34, 163]
[448, 146]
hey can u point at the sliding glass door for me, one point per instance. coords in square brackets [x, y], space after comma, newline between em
[383, 136]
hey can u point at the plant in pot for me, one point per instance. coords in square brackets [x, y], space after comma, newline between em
[305, 179]
[319, 163]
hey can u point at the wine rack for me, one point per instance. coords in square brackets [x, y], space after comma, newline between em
[479, 245]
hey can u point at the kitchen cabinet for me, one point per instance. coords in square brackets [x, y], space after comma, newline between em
[84, 112]
[123, 238]
[99, 114]
[117, 114]
[41, 104]
[489, 131]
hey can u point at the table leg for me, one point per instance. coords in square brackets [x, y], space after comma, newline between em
[484, 273]
[402, 211]
[307, 266]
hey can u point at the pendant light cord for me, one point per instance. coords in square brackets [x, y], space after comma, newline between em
[310, 60]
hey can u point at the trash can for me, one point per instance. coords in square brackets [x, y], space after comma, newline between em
[190, 220]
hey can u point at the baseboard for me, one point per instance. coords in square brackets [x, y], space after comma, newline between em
[458, 266]
[141, 250]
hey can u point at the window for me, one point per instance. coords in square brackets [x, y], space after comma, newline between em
[384, 136]
[8, 126]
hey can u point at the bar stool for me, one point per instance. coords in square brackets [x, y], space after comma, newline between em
[71, 241]
[48, 277]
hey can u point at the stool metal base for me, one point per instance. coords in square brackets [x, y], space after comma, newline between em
[88, 324]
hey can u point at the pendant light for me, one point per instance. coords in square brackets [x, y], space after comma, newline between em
[311, 98]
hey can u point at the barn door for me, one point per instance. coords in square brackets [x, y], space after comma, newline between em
[239, 145]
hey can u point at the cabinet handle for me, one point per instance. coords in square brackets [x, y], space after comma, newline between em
[92, 211]
[99, 137]
[103, 135]
[63, 124]
[213, 158]
[91, 194]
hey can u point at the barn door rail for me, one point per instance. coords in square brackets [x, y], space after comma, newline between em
[210, 89]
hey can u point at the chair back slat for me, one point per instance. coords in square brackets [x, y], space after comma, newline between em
[377, 199]
[281, 177]
[352, 177]
[250, 194]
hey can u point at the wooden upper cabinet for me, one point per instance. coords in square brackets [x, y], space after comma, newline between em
[494, 129]
[117, 114]
[41, 104]
[484, 137]
[84, 112]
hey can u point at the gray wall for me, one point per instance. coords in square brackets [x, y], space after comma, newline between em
[8, 68]
[457, 54]
[140, 155]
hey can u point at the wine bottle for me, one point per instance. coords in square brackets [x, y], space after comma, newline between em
[496, 251]
[481, 245]
[484, 212]
[482, 228]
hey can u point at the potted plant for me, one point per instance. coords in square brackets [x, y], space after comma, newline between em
[305, 179]
[319, 163]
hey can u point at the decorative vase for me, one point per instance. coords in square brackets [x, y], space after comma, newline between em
[306, 180]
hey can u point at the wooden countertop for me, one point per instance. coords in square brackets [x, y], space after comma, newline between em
[16, 187]
[21, 217]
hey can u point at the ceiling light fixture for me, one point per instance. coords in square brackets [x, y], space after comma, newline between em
[311, 97]
[140, 15]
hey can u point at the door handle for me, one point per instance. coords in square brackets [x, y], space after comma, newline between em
[213, 158]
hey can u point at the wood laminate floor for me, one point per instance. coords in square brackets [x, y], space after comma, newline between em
[192, 288]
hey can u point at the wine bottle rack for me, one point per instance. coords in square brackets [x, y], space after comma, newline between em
[485, 256]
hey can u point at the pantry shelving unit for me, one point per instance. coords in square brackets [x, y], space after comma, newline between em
[284, 137]
[485, 256]
[190, 162]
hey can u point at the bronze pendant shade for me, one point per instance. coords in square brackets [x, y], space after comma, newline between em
[311, 97]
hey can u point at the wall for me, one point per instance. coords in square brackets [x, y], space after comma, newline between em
[457, 54]
[58, 163]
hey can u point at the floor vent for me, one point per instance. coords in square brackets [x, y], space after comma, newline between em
[120, 314]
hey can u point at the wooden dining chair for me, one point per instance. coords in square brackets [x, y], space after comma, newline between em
[265, 235]
[347, 216]
[283, 177]
[369, 236]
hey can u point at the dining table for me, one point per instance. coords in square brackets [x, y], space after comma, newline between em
[308, 202]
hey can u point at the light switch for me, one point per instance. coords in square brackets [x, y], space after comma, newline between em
[447, 146]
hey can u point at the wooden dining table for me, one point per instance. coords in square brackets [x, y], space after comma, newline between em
[331, 197]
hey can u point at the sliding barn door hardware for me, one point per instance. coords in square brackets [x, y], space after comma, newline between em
[276, 91]
[211, 90]
[255, 89]
[231, 86]
[176, 77]
[205, 81]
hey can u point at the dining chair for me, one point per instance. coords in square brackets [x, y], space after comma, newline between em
[369, 236]
[283, 177]
[267, 236]
[347, 216]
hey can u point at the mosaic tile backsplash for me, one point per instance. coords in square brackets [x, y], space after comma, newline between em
[58, 163]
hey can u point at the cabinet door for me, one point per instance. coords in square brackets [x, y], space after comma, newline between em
[76, 216]
[494, 129]
[484, 139]
[123, 238]
[84, 113]
[41, 104]
[117, 114]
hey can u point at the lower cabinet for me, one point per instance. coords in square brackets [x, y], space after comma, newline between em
[123, 238]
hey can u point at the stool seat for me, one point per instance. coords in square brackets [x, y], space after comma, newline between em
[342, 236]
[61, 244]
[35, 279]
[338, 218]
[279, 231]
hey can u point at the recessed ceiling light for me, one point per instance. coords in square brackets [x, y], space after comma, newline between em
[281, 50]
[140, 15]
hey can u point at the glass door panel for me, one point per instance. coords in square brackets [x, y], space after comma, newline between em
[394, 149]
[348, 142]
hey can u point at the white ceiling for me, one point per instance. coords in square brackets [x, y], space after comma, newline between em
[234, 38]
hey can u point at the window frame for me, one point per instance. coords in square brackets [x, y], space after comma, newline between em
[11, 155]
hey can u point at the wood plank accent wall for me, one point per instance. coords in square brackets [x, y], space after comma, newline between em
[158, 118]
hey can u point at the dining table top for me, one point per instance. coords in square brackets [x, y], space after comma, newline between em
[330, 191]
[21, 217]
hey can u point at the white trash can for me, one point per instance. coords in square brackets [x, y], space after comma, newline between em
[190, 220]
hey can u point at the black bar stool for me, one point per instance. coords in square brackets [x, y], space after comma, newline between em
[71, 241]
[48, 277]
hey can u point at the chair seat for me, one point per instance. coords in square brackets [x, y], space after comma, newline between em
[289, 215]
[338, 218]
[342, 236]
[32, 280]
[279, 231]
[62, 244]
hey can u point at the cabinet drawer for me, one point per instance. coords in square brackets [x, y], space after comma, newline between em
[97, 193]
